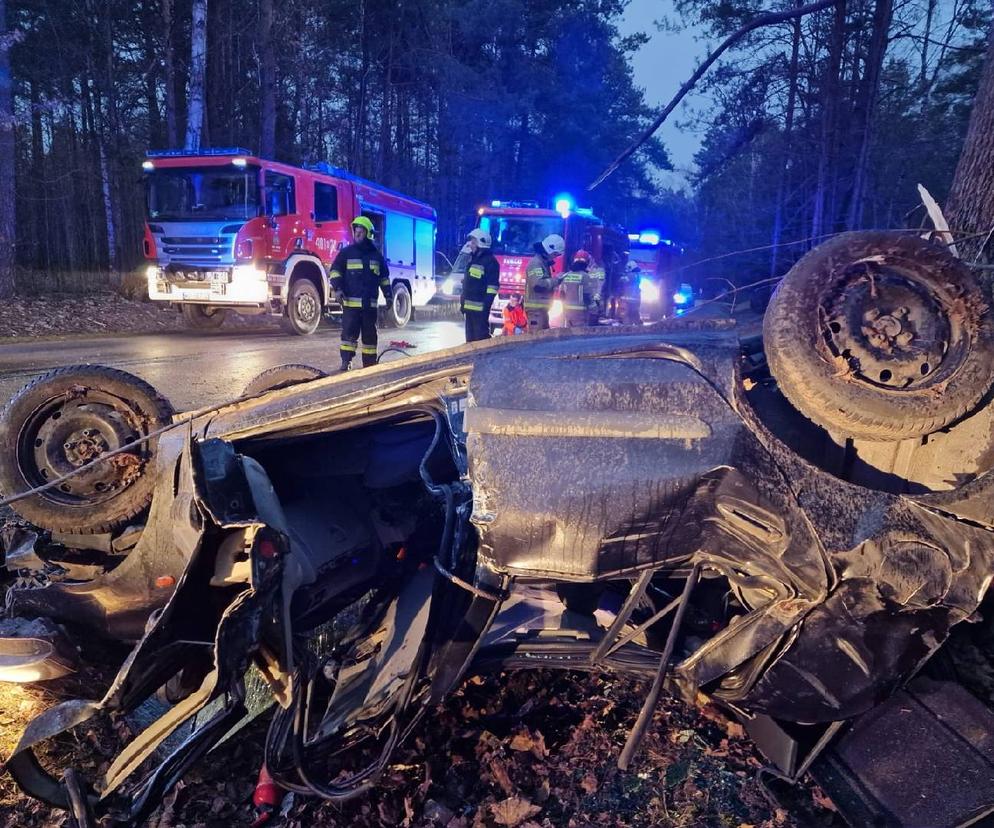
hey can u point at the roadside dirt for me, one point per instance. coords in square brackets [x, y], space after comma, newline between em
[65, 314]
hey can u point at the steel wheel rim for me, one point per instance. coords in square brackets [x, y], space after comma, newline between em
[887, 330]
[64, 434]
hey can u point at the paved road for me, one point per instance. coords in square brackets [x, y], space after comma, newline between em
[195, 369]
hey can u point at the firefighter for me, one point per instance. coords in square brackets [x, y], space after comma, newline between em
[581, 300]
[631, 293]
[358, 274]
[479, 287]
[540, 283]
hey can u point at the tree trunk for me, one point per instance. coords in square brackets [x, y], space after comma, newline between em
[267, 80]
[198, 65]
[830, 105]
[7, 159]
[172, 133]
[970, 207]
[788, 141]
[882, 13]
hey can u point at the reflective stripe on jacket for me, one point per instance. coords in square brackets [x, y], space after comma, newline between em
[539, 283]
[479, 286]
[361, 272]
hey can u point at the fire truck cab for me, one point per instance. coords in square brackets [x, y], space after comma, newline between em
[517, 226]
[656, 257]
[228, 231]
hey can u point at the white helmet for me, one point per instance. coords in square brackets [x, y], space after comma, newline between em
[554, 245]
[632, 266]
[482, 237]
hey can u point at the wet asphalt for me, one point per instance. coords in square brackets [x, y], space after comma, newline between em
[197, 369]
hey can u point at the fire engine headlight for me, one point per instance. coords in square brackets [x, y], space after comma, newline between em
[448, 286]
[248, 273]
[680, 298]
[556, 310]
[649, 290]
[152, 272]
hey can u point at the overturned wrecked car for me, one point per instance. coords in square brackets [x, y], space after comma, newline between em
[791, 537]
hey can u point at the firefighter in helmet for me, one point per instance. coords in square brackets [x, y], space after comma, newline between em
[479, 287]
[579, 293]
[358, 274]
[539, 281]
[631, 293]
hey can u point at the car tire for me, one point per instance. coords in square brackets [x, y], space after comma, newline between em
[203, 317]
[400, 311]
[65, 418]
[282, 376]
[880, 336]
[303, 308]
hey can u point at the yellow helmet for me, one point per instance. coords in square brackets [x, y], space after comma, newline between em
[363, 221]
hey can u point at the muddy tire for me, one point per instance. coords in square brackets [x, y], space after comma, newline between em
[303, 308]
[282, 376]
[66, 418]
[880, 336]
[203, 317]
[400, 311]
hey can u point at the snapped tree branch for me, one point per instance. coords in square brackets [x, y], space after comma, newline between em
[756, 23]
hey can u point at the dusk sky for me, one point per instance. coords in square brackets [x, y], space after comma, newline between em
[661, 66]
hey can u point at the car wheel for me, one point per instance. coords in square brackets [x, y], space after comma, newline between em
[203, 317]
[303, 308]
[400, 311]
[63, 420]
[880, 336]
[282, 376]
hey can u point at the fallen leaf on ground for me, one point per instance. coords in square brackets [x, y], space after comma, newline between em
[513, 811]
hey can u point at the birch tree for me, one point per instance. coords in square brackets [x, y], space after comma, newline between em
[198, 72]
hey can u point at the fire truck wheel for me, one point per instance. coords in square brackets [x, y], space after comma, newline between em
[303, 308]
[203, 317]
[67, 418]
[881, 336]
[282, 376]
[401, 309]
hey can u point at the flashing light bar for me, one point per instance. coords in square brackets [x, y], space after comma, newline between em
[584, 211]
[185, 153]
[648, 237]
[497, 202]
[633, 237]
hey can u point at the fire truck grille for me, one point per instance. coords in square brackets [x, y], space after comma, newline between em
[200, 250]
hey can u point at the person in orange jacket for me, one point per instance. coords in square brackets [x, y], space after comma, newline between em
[515, 317]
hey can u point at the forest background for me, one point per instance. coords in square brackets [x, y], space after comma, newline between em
[810, 127]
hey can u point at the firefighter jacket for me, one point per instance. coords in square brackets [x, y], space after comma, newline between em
[578, 291]
[360, 272]
[479, 286]
[539, 283]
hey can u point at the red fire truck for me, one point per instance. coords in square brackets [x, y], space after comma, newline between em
[657, 257]
[516, 227]
[228, 231]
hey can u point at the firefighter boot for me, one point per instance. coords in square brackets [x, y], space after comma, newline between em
[368, 355]
[347, 352]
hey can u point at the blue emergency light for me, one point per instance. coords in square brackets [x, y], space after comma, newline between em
[188, 153]
[564, 204]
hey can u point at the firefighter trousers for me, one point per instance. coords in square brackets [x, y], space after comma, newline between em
[356, 321]
[477, 325]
